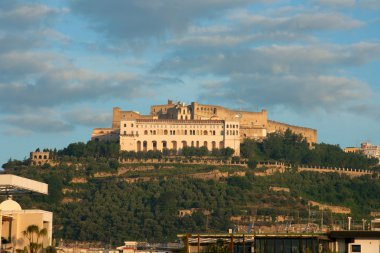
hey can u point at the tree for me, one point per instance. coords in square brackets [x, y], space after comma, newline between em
[33, 233]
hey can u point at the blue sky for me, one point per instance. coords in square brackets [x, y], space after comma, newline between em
[65, 64]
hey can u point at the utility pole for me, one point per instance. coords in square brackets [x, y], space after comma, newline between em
[349, 222]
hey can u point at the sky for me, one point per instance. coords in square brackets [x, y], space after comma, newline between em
[64, 64]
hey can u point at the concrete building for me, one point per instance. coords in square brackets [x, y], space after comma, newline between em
[253, 125]
[355, 241]
[332, 241]
[15, 220]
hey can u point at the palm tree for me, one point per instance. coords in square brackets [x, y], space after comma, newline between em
[33, 233]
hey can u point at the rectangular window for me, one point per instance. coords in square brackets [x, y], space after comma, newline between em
[356, 248]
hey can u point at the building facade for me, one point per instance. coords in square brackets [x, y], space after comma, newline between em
[183, 118]
[159, 134]
[370, 150]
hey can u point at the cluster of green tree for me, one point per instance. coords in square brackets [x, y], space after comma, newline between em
[150, 154]
[203, 151]
[292, 148]
[12, 163]
[90, 149]
[186, 151]
[111, 210]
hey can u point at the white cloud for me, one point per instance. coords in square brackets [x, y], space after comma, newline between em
[89, 117]
[136, 20]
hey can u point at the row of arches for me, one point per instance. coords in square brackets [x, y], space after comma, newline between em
[40, 157]
[155, 145]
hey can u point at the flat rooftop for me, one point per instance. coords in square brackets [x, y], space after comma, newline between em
[13, 185]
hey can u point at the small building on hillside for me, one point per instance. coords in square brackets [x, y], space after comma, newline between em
[39, 158]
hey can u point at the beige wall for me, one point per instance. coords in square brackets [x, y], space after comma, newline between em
[39, 157]
[119, 115]
[21, 220]
[105, 134]
[143, 135]
[309, 133]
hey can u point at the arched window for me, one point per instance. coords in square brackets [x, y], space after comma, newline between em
[146, 132]
[138, 146]
[205, 132]
[174, 145]
[145, 146]
[154, 144]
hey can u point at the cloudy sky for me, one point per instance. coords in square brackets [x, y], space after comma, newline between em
[64, 64]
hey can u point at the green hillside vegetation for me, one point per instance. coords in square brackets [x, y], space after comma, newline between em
[111, 209]
[292, 148]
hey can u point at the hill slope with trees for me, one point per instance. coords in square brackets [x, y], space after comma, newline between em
[93, 196]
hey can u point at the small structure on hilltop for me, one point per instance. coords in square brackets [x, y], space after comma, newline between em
[15, 220]
[39, 158]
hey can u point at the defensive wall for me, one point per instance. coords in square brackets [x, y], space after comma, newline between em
[271, 167]
[346, 171]
[308, 133]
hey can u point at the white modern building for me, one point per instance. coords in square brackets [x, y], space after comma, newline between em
[15, 220]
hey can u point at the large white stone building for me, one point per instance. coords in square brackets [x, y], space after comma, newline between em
[252, 125]
[159, 134]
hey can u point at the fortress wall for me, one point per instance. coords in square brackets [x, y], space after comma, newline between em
[105, 134]
[116, 117]
[201, 111]
[119, 115]
[161, 110]
[309, 133]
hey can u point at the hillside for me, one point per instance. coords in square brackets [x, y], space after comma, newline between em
[95, 197]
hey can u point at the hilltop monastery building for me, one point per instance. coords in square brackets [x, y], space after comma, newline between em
[177, 125]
